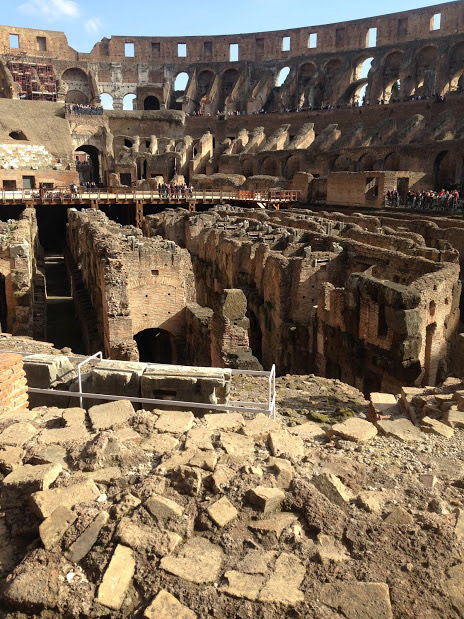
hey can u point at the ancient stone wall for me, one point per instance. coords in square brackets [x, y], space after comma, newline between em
[135, 284]
[322, 299]
[22, 283]
[13, 386]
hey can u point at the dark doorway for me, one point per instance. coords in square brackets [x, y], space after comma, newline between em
[155, 346]
[255, 336]
[28, 182]
[3, 308]
[151, 103]
[89, 171]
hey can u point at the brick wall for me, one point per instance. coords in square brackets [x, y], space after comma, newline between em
[13, 384]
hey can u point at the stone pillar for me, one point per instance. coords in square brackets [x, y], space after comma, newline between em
[117, 103]
[230, 346]
[13, 384]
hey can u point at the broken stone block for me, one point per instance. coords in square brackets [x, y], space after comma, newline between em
[204, 460]
[48, 372]
[143, 538]
[432, 426]
[199, 438]
[17, 434]
[83, 544]
[358, 599]
[260, 427]
[370, 501]
[163, 508]
[175, 422]
[237, 445]
[225, 422]
[246, 586]
[222, 512]
[308, 431]
[266, 499]
[110, 415]
[127, 435]
[52, 529]
[383, 405]
[64, 436]
[127, 503]
[11, 458]
[330, 550]
[399, 517]
[428, 481]
[187, 480]
[45, 502]
[74, 416]
[222, 479]
[283, 472]
[286, 446]
[178, 459]
[47, 454]
[30, 478]
[105, 475]
[454, 418]
[401, 429]
[459, 528]
[118, 379]
[166, 606]
[274, 525]
[283, 585]
[256, 562]
[198, 561]
[117, 578]
[160, 444]
[354, 429]
[331, 487]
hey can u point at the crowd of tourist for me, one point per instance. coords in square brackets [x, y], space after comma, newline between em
[79, 108]
[171, 190]
[445, 200]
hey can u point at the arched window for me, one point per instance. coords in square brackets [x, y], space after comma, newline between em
[151, 103]
[282, 76]
[106, 101]
[128, 103]
[181, 82]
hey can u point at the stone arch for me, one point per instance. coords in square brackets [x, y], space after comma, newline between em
[306, 76]
[78, 83]
[156, 346]
[282, 76]
[129, 102]
[228, 80]
[247, 167]
[106, 101]
[366, 163]
[151, 103]
[391, 70]
[204, 82]
[342, 163]
[456, 70]
[292, 166]
[391, 162]
[268, 166]
[443, 170]
[90, 171]
[425, 74]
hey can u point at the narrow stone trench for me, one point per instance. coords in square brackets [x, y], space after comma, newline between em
[62, 326]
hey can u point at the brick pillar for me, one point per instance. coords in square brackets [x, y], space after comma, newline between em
[13, 384]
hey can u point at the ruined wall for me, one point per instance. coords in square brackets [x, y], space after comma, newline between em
[22, 283]
[320, 299]
[134, 283]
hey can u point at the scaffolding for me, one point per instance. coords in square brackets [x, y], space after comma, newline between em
[37, 80]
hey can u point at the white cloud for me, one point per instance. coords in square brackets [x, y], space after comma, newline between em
[93, 25]
[51, 10]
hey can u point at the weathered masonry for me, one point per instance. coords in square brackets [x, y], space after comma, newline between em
[327, 295]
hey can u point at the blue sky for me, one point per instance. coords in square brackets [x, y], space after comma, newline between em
[88, 21]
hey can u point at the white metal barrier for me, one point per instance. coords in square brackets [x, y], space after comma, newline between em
[268, 407]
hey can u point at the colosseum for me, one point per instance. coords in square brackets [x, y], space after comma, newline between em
[231, 328]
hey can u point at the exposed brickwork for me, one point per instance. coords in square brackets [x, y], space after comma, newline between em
[13, 384]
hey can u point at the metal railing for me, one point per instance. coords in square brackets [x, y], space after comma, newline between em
[65, 195]
[239, 406]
